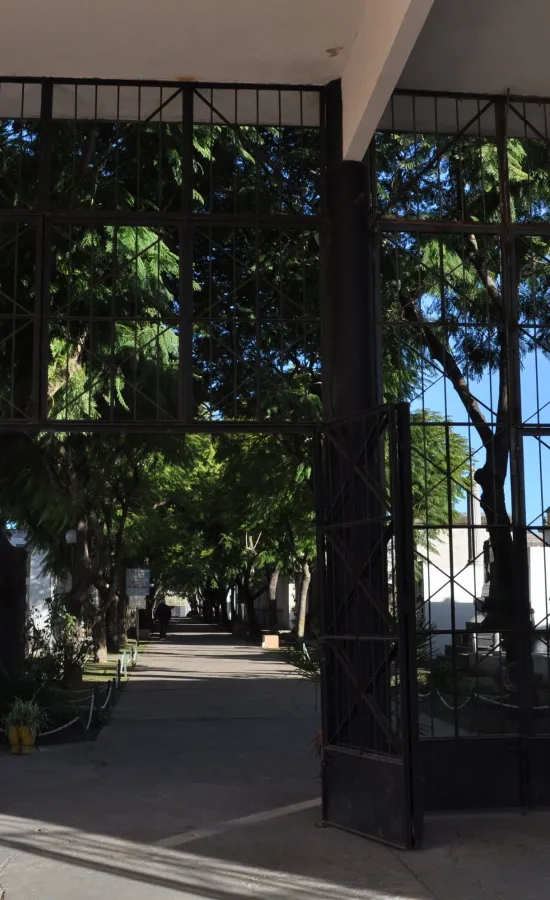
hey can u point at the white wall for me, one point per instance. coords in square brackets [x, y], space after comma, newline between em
[469, 580]
[180, 605]
[40, 588]
[286, 600]
[440, 593]
[539, 584]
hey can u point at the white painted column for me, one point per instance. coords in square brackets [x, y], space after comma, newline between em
[384, 41]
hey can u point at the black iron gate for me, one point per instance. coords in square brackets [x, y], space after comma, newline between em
[462, 227]
[369, 752]
[160, 256]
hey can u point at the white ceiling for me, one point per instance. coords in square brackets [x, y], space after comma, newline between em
[261, 41]
[483, 46]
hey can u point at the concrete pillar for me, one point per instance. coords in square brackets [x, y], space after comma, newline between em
[353, 327]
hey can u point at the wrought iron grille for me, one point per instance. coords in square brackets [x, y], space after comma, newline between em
[461, 217]
[366, 571]
[160, 255]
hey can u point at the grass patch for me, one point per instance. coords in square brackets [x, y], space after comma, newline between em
[98, 673]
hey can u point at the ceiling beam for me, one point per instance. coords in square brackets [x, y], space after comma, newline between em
[386, 36]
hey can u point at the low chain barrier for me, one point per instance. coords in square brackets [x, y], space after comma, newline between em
[490, 701]
[60, 728]
[91, 713]
[128, 660]
[108, 697]
[82, 697]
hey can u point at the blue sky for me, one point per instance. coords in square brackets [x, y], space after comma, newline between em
[535, 384]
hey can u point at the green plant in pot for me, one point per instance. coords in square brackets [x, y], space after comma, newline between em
[23, 722]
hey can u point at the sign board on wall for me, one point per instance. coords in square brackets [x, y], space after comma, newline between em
[137, 601]
[138, 581]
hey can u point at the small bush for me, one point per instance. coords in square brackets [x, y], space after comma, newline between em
[60, 647]
[305, 659]
[25, 714]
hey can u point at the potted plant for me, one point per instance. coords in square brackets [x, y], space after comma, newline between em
[23, 722]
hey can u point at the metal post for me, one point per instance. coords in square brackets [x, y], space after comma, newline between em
[522, 620]
[43, 253]
[358, 652]
[186, 233]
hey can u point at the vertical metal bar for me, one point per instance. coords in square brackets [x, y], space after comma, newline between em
[185, 240]
[373, 251]
[402, 517]
[522, 622]
[258, 324]
[324, 243]
[321, 477]
[331, 161]
[112, 327]
[43, 255]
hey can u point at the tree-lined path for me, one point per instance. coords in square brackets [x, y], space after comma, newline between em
[208, 729]
[203, 787]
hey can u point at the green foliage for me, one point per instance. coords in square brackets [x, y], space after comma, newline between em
[450, 277]
[25, 714]
[438, 454]
[59, 647]
[306, 660]
[204, 513]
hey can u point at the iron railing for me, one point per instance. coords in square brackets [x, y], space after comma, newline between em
[160, 255]
[461, 219]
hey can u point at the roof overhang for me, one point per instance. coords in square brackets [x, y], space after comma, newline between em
[255, 42]
[468, 47]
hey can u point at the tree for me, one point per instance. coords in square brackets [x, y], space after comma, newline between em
[445, 291]
[275, 475]
[215, 512]
[90, 483]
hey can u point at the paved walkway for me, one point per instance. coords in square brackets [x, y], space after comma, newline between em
[203, 786]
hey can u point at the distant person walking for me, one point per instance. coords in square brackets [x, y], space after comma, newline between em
[163, 615]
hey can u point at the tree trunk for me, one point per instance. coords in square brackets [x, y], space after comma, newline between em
[252, 621]
[122, 622]
[507, 612]
[302, 601]
[99, 636]
[249, 600]
[223, 616]
[208, 604]
[273, 613]
[111, 621]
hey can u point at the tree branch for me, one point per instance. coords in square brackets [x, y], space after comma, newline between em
[449, 365]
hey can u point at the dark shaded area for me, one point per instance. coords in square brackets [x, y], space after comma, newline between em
[13, 608]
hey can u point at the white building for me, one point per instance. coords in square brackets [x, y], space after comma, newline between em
[286, 604]
[40, 585]
[455, 573]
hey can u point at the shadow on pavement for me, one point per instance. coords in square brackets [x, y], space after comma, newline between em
[209, 732]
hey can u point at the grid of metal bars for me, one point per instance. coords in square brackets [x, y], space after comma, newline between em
[160, 262]
[463, 228]
[365, 560]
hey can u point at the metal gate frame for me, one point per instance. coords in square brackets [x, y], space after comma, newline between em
[375, 522]
[46, 216]
[501, 765]
[370, 771]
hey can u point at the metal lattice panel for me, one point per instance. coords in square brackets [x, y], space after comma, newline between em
[365, 531]
[161, 255]
[463, 230]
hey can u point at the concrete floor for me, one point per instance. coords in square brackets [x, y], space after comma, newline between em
[203, 786]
